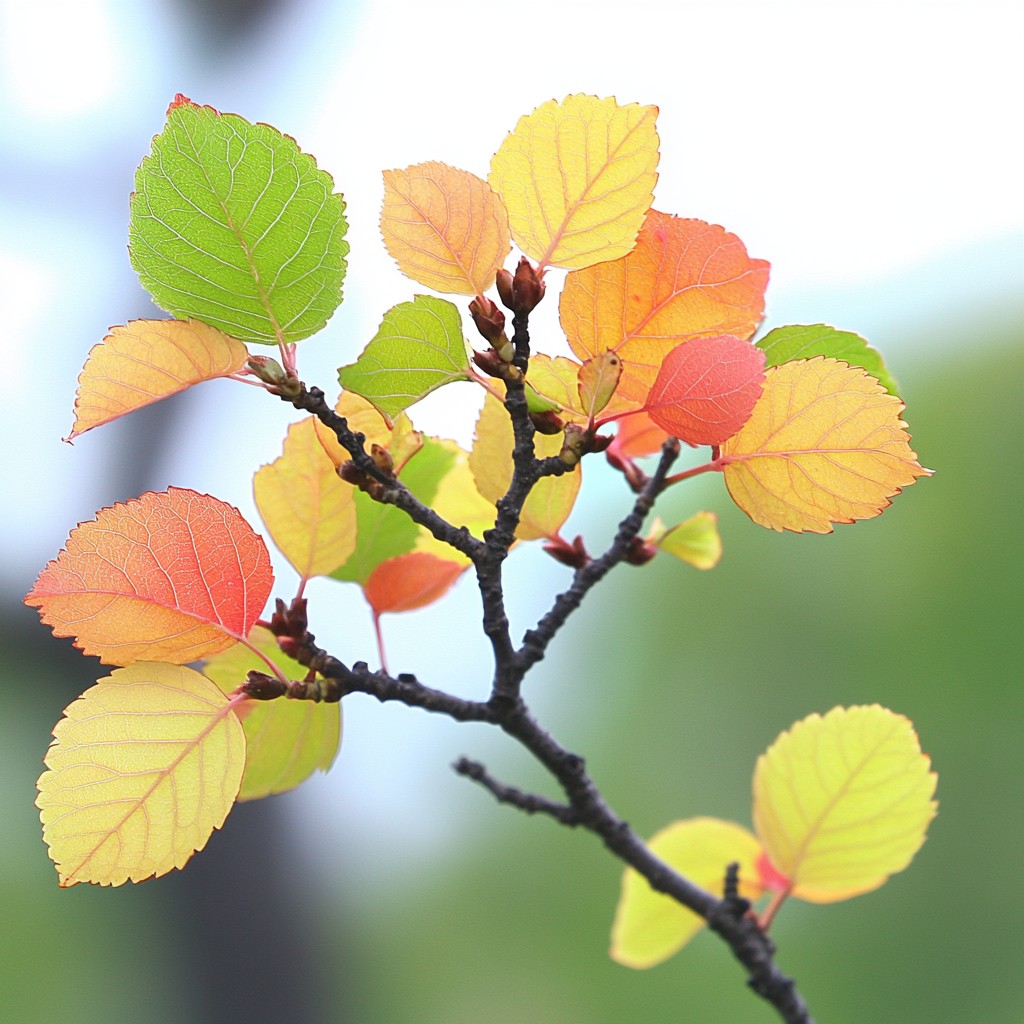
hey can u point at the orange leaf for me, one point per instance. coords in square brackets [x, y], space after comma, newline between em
[146, 360]
[841, 802]
[309, 511]
[170, 576]
[706, 388]
[142, 768]
[577, 178]
[598, 379]
[410, 581]
[445, 228]
[637, 436]
[684, 279]
[825, 444]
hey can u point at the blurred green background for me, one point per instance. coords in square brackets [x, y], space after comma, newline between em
[671, 682]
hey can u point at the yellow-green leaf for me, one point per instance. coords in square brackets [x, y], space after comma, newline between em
[444, 227]
[842, 802]
[824, 444]
[142, 768]
[550, 502]
[286, 740]
[146, 360]
[308, 509]
[695, 541]
[650, 926]
[577, 178]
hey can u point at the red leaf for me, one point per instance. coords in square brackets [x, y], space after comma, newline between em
[706, 389]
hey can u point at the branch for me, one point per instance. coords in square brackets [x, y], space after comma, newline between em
[535, 642]
[388, 490]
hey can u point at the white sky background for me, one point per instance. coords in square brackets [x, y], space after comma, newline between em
[846, 142]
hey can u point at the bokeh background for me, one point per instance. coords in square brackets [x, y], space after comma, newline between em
[871, 152]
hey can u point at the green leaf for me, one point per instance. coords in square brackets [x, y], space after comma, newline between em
[383, 531]
[418, 348]
[285, 740]
[232, 224]
[804, 341]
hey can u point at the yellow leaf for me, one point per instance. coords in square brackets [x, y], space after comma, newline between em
[842, 802]
[285, 740]
[142, 768]
[146, 360]
[309, 511]
[683, 279]
[695, 541]
[650, 926]
[577, 178]
[824, 444]
[445, 228]
[550, 502]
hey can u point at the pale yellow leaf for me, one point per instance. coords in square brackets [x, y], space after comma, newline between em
[577, 178]
[842, 802]
[142, 768]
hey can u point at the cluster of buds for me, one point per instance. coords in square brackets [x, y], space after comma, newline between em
[490, 322]
[352, 474]
[521, 291]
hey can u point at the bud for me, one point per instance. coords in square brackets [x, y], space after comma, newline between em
[547, 422]
[268, 370]
[489, 320]
[382, 459]
[260, 686]
[494, 365]
[640, 552]
[522, 291]
[573, 555]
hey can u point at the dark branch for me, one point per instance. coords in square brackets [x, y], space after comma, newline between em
[531, 803]
[536, 640]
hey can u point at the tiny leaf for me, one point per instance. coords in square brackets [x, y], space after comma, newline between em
[146, 360]
[842, 802]
[445, 228]
[650, 926]
[142, 768]
[785, 344]
[695, 541]
[825, 444]
[706, 389]
[418, 348]
[598, 379]
[306, 507]
[232, 224]
[577, 178]
[285, 740]
[172, 576]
